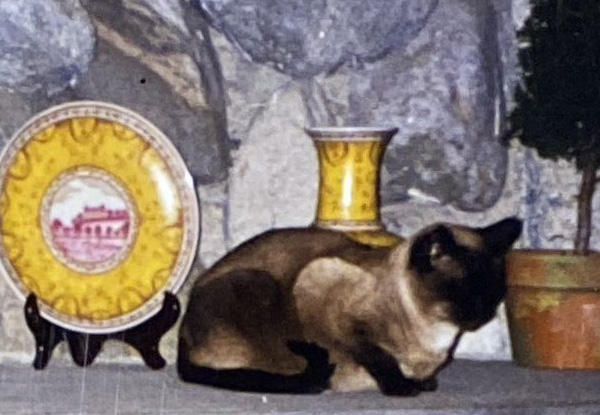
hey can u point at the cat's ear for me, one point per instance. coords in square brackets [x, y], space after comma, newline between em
[500, 236]
[429, 247]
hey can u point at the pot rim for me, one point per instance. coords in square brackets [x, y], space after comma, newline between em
[551, 252]
[553, 269]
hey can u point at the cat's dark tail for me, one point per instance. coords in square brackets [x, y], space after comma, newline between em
[315, 379]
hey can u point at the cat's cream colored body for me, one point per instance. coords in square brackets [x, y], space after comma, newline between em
[397, 312]
[420, 341]
[329, 295]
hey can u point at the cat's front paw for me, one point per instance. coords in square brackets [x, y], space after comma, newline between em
[319, 377]
[318, 369]
[428, 385]
[401, 387]
[319, 373]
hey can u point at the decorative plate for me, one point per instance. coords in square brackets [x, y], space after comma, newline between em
[98, 216]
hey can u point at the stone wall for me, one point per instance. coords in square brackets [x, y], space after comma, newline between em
[234, 83]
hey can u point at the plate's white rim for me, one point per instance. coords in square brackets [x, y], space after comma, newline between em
[154, 304]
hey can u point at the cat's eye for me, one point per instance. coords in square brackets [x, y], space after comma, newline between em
[436, 251]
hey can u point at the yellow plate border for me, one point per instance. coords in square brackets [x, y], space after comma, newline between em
[182, 177]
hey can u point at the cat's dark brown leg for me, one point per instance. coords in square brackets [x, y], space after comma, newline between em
[428, 385]
[250, 303]
[315, 379]
[384, 368]
[318, 370]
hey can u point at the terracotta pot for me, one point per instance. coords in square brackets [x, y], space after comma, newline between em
[553, 308]
[349, 163]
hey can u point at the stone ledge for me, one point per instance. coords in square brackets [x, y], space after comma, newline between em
[466, 387]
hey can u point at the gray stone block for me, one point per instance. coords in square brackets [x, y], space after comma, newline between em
[447, 92]
[45, 45]
[248, 87]
[15, 110]
[305, 37]
[159, 66]
[275, 178]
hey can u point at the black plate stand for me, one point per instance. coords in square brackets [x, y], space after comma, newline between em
[85, 347]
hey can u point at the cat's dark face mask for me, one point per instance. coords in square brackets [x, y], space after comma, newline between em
[468, 278]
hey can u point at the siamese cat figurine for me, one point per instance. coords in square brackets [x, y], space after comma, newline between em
[304, 310]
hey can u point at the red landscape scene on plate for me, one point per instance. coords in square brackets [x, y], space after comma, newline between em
[94, 235]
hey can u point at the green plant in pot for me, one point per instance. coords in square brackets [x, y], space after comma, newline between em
[553, 303]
